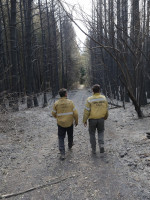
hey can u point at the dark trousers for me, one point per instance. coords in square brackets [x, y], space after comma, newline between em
[61, 136]
[96, 124]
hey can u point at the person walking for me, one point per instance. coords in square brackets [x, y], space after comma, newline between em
[65, 113]
[96, 110]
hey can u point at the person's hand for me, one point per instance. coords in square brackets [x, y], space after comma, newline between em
[85, 124]
[76, 124]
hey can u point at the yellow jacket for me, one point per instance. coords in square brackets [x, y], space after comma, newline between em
[96, 107]
[65, 112]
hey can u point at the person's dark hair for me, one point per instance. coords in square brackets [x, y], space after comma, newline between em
[96, 88]
[62, 92]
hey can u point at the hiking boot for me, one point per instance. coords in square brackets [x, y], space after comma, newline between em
[93, 151]
[62, 157]
[70, 148]
[102, 150]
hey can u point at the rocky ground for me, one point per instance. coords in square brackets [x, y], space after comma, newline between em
[30, 168]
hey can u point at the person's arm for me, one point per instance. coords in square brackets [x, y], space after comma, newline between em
[86, 114]
[75, 115]
[54, 112]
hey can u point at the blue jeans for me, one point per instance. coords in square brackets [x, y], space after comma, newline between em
[96, 124]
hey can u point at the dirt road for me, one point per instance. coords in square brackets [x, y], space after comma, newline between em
[30, 168]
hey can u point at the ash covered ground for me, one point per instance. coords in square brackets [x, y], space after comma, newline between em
[30, 168]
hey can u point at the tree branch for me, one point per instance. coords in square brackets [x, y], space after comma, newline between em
[51, 182]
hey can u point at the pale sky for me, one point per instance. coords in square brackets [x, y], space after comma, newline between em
[74, 7]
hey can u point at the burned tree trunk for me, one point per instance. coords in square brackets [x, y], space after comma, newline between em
[14, 65]
[44, 56]
[29, 68]
[55, 78]
[2, 66]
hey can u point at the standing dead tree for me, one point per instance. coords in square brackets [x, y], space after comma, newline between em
[14, 65]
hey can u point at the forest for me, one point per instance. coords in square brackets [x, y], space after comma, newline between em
[39, 52]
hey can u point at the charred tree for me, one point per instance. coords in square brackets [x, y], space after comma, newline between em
[14, 65]
[55, 77]
[44, 60]
[2, 67]
[28, 40]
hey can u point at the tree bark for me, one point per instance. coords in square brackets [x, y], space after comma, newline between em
[44, 56]
[14, 68]
[29, 71]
